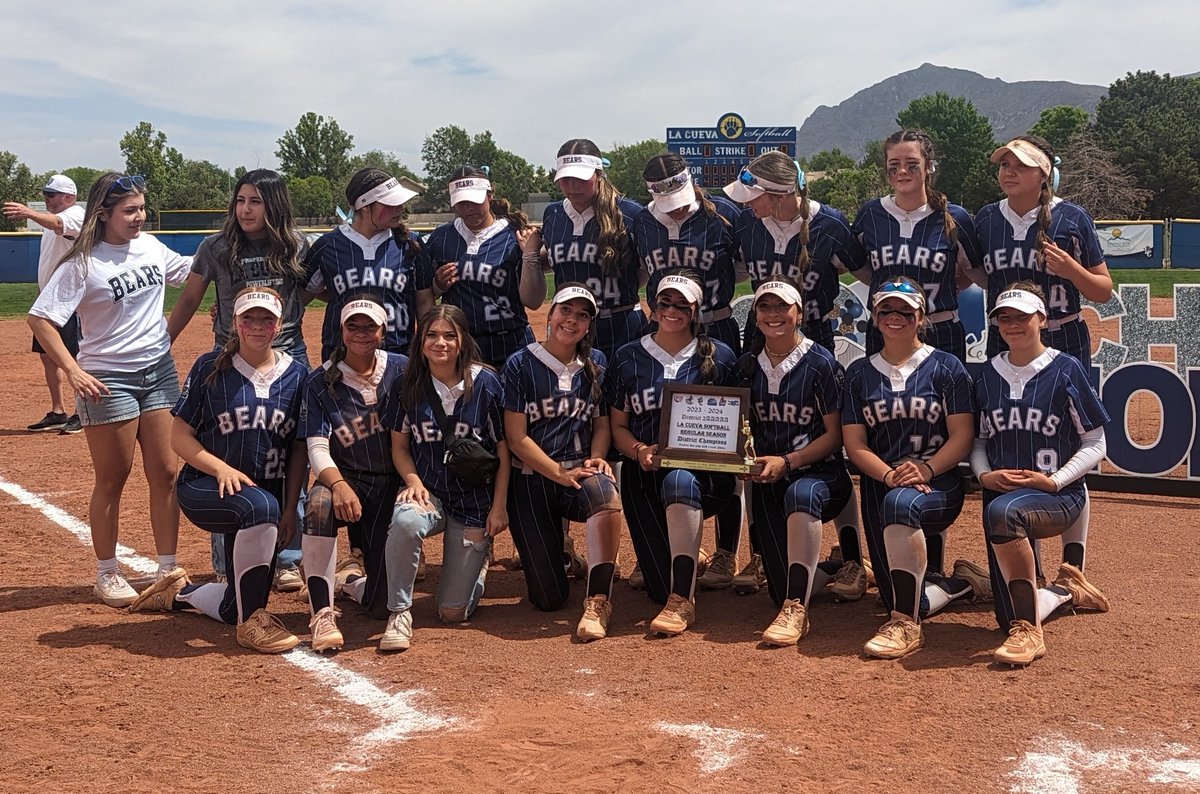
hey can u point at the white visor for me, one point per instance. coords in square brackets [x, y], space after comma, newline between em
[917, 301]
[673, 192]
[579, 166]
[1027, 153]
[785, 291]
[1022, 301]
[572, 293]
[369, 309]
[473, 189]
[743, 192]
[684, 286]
[252, 300]
[393, 193]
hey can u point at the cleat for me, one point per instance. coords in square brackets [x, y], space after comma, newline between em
[351, 566]
[897, 638]
[112, 589]
[593, 625]
[636, 580]
[160, 596]
[790, 626]
[850, 582]
[1024, 644]
[675, 617]
[326, 636]
[981, 581]
[265, 633]
[288, 580]
[1084, 594]
[752, 578]
[398, 634]
[719, 573]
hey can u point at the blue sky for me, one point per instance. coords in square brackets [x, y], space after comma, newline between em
[225, 79]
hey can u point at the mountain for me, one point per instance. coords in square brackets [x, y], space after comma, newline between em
[870, 115]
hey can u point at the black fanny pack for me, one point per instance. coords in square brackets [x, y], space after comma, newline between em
[465, 458]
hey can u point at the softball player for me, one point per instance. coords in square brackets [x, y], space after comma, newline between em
[587, 239]
[1041, 429]
[783, 233]
[557, 430]
[113, 277]
[795, 390]
[374, 253]
[665, 509]
[907, 421]
[446, 365]
[349, 449]
[685, 227]
[1033, 235]
[488, 264]
[235, 428]
[918, 234]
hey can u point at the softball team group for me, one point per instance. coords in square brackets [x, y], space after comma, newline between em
[435, 411]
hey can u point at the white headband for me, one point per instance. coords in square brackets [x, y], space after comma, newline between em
[473, 189]
[684, 285]
[370, 309]
[252, 300]
[782, 289]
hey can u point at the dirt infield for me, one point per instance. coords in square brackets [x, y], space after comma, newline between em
[99, 700]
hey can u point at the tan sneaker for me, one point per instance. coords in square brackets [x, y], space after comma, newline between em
[1024, 644]
[1084, 594]
[160, 596]
[593, 625]
[752, 578]
[326, 636]
[288, 580]
[899, 637]
[577, 564]
[636, 580]
[348, 567]
[113, 590]
[790, 627]
[675, 617]
[850, 582]
[719, 574]
[981, 581]
[398, 634]
[263, 632]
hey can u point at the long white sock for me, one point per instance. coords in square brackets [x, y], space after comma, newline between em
[320, 556]
[906, 553]
[206, 599]
[803, 548]
[939, 598]
[253, 548]
[684, 526]
[1048, 601]
[355, 589]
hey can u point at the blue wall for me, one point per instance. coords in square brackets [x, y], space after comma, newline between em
[19, 251]
[1185, 243]
[1154, 261]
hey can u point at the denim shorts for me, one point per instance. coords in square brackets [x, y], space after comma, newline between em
[132, 394]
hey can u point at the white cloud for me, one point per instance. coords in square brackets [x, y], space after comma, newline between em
[225, 79]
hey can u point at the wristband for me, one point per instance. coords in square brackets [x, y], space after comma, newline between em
[531, 257]
[335, 482]
[885, 476]
[930, 468]
[787, 462]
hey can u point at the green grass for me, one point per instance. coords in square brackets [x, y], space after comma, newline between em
[15, 299]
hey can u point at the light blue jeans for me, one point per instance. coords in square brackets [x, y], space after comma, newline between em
[464, 562]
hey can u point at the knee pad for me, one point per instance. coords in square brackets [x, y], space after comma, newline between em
[601, 495]
[680, 486]
[318, 512]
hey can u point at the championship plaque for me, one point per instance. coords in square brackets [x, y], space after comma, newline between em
[706, 428]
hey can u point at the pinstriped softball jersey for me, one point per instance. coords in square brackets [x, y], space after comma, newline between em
[350, 414]
[346, 264]
[789, 402]
[556, 400]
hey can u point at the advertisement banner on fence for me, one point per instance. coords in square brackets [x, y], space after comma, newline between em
[1126, 240]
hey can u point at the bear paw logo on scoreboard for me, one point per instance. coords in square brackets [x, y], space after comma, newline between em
[731, 126]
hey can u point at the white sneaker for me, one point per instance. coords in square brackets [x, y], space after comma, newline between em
[112, 589]
[398, 634]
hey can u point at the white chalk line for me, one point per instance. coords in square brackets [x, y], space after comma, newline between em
[1058, 766]
[399, 719]
[717, 749]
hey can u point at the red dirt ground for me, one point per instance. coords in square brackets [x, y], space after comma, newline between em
[99, 700]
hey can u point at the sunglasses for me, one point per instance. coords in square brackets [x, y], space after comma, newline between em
[663, 305]
[128, 184]
[901, 286]
[906, 315]
[670, 184]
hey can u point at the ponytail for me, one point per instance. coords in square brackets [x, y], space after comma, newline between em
[224, 359]
[333, 375]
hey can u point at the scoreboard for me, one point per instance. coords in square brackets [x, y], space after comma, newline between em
[716, 154]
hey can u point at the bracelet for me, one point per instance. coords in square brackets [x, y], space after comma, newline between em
[885, 476]
[335, 482]
[531, 257]
[638, 448]
[927, 466]
[787, 462]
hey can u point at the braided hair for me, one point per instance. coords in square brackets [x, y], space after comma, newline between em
[935, 198]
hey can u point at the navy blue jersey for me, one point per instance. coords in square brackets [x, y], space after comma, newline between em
[914, 244]
[350, 414]
[247, 418]
[788, 403]
[1033, 417]
[904, 408]
[770, 248]
[556, 399]
[635, 379]
[489, 274]
[1009, 243]
[570, 240]
[481, 418]
[703, 242]
[346, 264]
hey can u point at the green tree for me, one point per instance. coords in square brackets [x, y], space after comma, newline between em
[627, 163]
[831, 160]
[316, 146]
[873, 157]
[963, 140]
[448, 148]
[312, 197]
[147, 154]
[198, 185]
[1151, 124]
[384, 161]
[17, 183]
[83, 177]
[849, 188]
[1059, 124]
